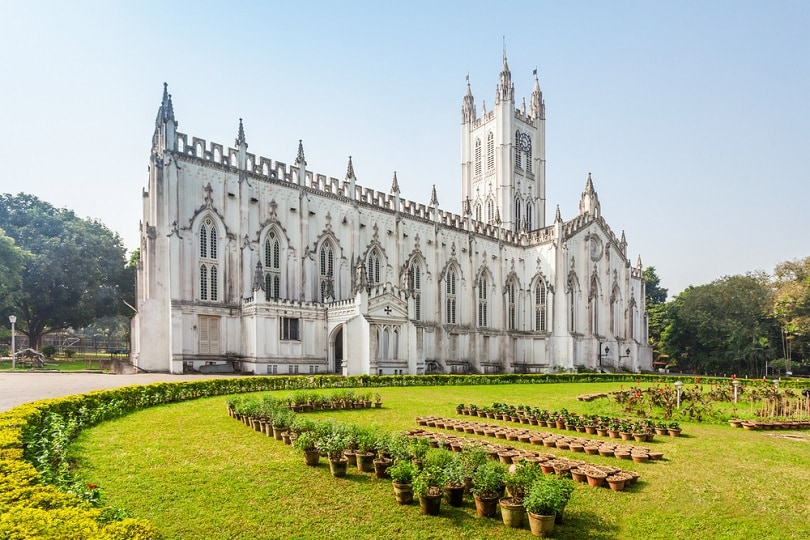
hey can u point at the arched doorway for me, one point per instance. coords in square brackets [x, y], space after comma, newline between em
[338, 351]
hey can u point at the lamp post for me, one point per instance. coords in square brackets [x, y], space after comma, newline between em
[12, 319]
[736, 384]
[678, 386]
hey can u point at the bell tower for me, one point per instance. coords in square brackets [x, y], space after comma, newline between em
[503, 157]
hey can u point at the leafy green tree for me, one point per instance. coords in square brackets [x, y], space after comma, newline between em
[791, 307]
[721, 327]
[75, 271]
[12, 259]
[655, 297]
[653, 292]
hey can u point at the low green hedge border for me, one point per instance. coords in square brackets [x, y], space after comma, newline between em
[40, 498]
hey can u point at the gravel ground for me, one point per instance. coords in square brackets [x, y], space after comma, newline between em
[19, 388]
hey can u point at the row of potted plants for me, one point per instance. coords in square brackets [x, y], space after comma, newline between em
[769, 424]
[591, 424]
[549, 463]
[639, 454]
[306, 401]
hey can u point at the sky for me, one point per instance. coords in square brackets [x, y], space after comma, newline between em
[693, 117]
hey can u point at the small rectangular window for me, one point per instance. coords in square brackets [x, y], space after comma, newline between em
[290, 329]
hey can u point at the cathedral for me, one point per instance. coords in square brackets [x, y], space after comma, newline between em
[250, 265]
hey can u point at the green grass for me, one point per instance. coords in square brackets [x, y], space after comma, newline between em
[77, 363]
[197, 473]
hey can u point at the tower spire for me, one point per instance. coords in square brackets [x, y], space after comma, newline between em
[537, 105]
[468, 108]
[589, 202]
[506, 90]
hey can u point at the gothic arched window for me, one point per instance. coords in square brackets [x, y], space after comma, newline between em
[415, 281]
[483, 317]
[477, 157]
[326, 260]
[209, 276]
[529, 217]
[272, 267]
[373, 267]
[517, 150]
[490, 151]
[450, 297]
[511, 305]
[540, 297]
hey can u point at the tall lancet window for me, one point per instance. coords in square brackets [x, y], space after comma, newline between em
[490, 151]
[415, 280]
[529, 217]
[478, 157]
[517, 151]
[511, 305]
[272, 267]
[209, 275]
[450, 297]
[540, 295]
[373, 268]
[326, 260]
[483, 318]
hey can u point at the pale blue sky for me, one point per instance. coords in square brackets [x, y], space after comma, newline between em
[692, 116]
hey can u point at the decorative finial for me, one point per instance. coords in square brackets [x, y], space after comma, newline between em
[350, 170]
[300, 161]
[434, 200]
[557, 215]
[240, 136]
[395, 184]
[258, 278]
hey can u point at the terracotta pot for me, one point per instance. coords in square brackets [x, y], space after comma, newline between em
[616, 482]
[487, 506]
[541, 526]
[339, 467]
[454, 495]
[312, 457]
[381, 467]
[365, 462]
[512, 513]
[430, 504]
[596, 478]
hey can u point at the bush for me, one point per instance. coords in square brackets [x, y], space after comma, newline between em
[48, 351]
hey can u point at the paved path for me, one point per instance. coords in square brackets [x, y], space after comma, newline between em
[18, 388]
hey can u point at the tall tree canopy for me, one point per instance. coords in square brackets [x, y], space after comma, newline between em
[791, 307]
[722, 327]
[73, 271]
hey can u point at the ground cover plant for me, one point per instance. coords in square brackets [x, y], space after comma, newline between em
[200, 474]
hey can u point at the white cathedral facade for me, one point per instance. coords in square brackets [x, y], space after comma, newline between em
[257, 266]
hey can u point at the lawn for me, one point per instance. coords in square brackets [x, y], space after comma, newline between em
[197, 473]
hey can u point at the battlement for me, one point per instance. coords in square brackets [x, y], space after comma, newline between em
[269, 170]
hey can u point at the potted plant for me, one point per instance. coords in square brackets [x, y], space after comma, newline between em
[402, 474]
[566, 487]
[377, 400]
[305, 442]
[674, 429]
[383, 460]
[428, 485]
[419, 448]
[333, 443]
[542, 502]
[454, 483]
[365, 439]
[487, 486]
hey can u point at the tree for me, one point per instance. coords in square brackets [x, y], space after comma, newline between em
[75, 271]
[791, 307]
[655, 298]
[721, 327]
[12, 259]
[653, 292]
